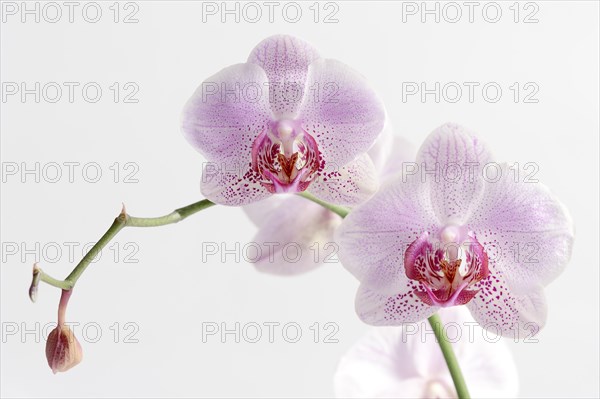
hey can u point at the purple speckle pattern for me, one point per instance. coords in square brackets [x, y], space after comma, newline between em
[500, 309]
[341, 111]
[349, 185]
[524, 228]
[285, 59]
[381, 309]
[455, 158]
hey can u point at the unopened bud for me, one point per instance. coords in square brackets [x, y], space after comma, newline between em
[35, 281]
[63, 351]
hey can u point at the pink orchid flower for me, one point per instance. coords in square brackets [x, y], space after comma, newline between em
[298, 245]
[406, 362]
[286, 121]
[457, 229]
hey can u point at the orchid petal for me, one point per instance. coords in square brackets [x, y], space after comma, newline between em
[377, 308]
[375, 235]
[501, 310]
[285, 59]
[380, 365]
[223, 126]
[405, 362]
[524, 227]
[229, 186]
[403, 153]
[341, 111]
[450, 162]
[349, 185]
[222, 119]
[381, 151]
[258, 212]
[292, 228]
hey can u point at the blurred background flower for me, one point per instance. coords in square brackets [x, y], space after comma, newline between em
[406, 362]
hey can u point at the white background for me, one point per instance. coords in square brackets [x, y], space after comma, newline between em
[170, 292]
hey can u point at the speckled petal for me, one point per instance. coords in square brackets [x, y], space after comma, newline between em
[285, 59]
[349, 185]
[375, 235]
[383, 309]
[341, 111]
[223, 126]
[523, 226]
[499, 308]
[229, 186]
[450, 163]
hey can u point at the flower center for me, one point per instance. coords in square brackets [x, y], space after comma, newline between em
[447, 269]
[285, 157]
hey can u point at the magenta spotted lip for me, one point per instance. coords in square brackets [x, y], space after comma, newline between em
[448, 274]
[285, 157]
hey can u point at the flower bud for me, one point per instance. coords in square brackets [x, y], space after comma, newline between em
[63, 351]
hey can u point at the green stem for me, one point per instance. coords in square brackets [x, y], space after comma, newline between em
[121, 221]
[449, 356]
[334, 208]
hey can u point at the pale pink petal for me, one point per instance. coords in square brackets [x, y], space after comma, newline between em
[375, 235]
[390, 153]
[229, 186]
[450, 163]
[401, 159]
[222, 119]
[348, 185]
[523, 226]
[285, 59]
[381, 151]
[381, 365]
[383, 309]
[406, 362]
[223, 126]
[258, 212]
[499, 308]
[341, 111]
[295, 236]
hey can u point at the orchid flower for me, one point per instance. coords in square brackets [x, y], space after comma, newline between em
[457, 229]
[286, 121]
[406, 362]
[312, 234]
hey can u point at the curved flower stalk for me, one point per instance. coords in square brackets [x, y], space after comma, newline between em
[63, 350]
[457, 230]
[406, 362]
[286, 121]
[309, 238]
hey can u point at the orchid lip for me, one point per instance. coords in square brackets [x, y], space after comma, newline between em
[285, 157]
[448, 274]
